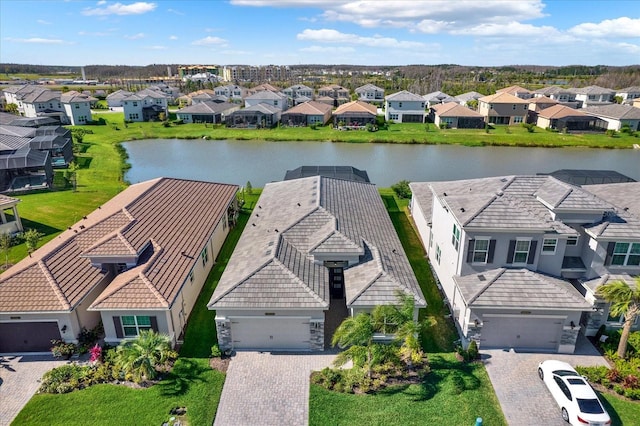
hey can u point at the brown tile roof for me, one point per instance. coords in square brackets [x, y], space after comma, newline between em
[561, 111]
[309, 108]
[165, 222]
[356, 106]
[512, 90]
[454, 109]
[542, 100]
[503, 98]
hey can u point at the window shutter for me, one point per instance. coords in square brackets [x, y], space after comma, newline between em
[512, 249]
[154, 323]
[118, 326]
[470, 251]
[492, 250]
[532, 252]
[610, 247]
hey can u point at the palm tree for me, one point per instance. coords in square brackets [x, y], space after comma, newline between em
[625, 300]
[357, 334]
[140, 357]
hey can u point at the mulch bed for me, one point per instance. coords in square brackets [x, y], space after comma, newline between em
[220, 364]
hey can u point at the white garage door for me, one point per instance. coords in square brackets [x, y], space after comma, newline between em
[291, 333]
[524, 332]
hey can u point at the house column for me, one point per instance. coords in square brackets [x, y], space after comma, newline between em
[17, 218]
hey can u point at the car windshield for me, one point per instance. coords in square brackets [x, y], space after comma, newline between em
[576, 382]
[564, 373]
[590, 406]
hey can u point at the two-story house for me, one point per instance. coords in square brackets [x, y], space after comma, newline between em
[594, 96]
[333, 95]
[436, 98]
[503, 108]
[77, 107]
[145, 105]
[370, 93]
[504, 250]
[404, 107]
[517, 91]
[565, 96]
[114, 100]
[628, 94]
[464, 98]
[298, 94]
[232, 92]
[275, 99]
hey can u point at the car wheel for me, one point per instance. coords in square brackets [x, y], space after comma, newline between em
[540, 373]
[565, 415]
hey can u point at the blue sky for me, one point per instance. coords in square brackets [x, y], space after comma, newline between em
[288, 32]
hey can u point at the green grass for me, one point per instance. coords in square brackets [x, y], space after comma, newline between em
[435, 402]
[622, 412]
[192, 384]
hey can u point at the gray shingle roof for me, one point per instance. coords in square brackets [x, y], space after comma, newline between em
[614, 111]
[466, 97]
[519, 288]
[296, 218]
[207, 107]
[403, 96]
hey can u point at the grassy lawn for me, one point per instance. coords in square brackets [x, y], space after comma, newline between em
[438, 401]
[622, 412]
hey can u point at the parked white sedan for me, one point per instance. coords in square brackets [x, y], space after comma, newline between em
[577, 399]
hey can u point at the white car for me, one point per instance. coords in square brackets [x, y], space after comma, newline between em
[577, 399]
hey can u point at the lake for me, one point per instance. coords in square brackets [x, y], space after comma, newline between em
[260, 162]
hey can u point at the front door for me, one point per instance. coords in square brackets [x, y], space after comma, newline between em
[336, 278]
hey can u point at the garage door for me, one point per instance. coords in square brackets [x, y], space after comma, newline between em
[27, 336]
[523, 332]
[270, 333]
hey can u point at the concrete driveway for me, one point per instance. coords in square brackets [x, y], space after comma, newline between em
[268, 389]
[19, 380]
[523, 397]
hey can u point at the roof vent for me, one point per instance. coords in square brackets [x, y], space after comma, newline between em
[462, 209]
[499, 193]
[503, 180]
[444, 193]
[481, 277]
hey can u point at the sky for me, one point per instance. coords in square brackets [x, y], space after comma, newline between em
[293, 32]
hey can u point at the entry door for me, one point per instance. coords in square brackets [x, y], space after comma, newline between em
[336, 278]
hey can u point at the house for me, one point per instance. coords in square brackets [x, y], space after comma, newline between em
[11, 223]
[511, 253]
[593, 96]
[565, 96]
[404, 107]
[145, 105]
[261, 88]
[629, 94]
[232, 92]
[563, 118]
[77, 107]
[464, 98]
[517, 91]
[355, 114]
[43, 103]
[306, 114]
[206, 112]
[114, 100]
[315, 250]
[298, 93]
[452, 115]
[336, 172]
[15, 94]
[436, 98]
[275, 99]
[255, 116]
[138, 262]
[537, 104]
[503, 108]
[333, 95]
[614, 116]
[370, 93]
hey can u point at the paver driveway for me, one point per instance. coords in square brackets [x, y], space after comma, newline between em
[524, 399]
[19, 380]
[268, 389]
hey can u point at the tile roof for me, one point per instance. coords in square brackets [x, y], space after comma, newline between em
[503, 98]
[512, 90]
[551, 90]
[404, 95]
[438, 97]
[421, 192]
[625, 221]
[368, 87]
[207, 107]
[42, 95]
[74, 96]
[165, 222]
[542, 100]
[560, 111]
[272, 265]
[466, 97]
[357, 107]
[615, 111]
[631, 89]
[309, 108]
[266, 94]
[591, 90]
[519, 288]
[609, 278]
[454, 109]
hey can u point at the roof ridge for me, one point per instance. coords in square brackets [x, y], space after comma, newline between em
[309, 290]
[243, 280]
[486, 286]
[54, 285]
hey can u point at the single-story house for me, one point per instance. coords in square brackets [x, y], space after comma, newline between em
[560, 117]
[456, 116]
[206, 112]
[138, 262]
[614, 116]
[256, 116]
[464, 98]
[435, 98]
[355, 114]
[11, 223]
[315, 250]
[306, 114]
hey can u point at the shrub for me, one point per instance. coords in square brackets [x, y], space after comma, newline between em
[632, 393]
[215, 351]
[62, 349]
[402, 189]
[529, 126]
[64, 379]
[472, 351]
[611, 133]
[594, 374]
[444, 126]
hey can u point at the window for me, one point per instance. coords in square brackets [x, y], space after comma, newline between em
[455, 237]
[438, 253]
[480, 250]
[521, 252]
[135, 104]
[132, 325]
[393, 116]
[517, 119]
[563, 387]
[549, 245]
[572, 241]
[275, 103]
[626, 254]
[77, 106]
[514, 106]
[205, 256]
[399, 104]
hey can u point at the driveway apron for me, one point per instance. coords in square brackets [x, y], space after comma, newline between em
[524, 399]
[268, 389]
[19, 380]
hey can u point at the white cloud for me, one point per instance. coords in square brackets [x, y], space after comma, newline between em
[328, 49]
[101, 2]
[209, 41]
[135, 36]
[619, 27]
[511, 29]
[43, 22]
[137, 8]
[176, 12]
[173, 37]
[333, 36]
[37, 40]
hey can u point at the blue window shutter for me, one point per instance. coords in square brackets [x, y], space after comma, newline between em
[512, 249]
[492, 250]
[532, 252]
